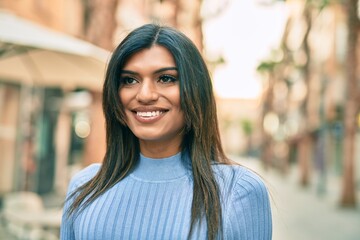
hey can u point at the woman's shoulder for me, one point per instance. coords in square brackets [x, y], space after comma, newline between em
[239, 177]
[246, 202]
[84, 175]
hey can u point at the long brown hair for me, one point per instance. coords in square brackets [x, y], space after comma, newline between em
[201, 140]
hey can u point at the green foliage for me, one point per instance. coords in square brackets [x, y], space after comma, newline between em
[215, 62]
[247, 127]
[276, 56]
[266, 66]
[320, 4]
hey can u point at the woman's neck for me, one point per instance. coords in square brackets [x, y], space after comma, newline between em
[153, 149]
[164, 169]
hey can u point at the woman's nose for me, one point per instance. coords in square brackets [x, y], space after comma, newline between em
[147, 92]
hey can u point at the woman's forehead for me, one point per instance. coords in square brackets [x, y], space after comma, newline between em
[153, 57]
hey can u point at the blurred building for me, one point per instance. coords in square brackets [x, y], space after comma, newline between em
[39, 126]
[61, 15]
[46, 133]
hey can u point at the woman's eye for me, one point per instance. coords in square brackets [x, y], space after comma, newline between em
[167, 79]
[128, 80]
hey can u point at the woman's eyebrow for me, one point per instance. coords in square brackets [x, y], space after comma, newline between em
[128, 72]
[165, 69]
[157, 71]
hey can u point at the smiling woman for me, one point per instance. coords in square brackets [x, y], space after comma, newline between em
[164, 175]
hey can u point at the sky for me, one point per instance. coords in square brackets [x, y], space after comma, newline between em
[243, 34]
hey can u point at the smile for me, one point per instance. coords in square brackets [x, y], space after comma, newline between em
[149, 114]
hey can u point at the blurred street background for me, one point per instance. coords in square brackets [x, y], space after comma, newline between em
[285, 73]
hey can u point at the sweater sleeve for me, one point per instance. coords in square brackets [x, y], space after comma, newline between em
[249, 215]
[67, 228]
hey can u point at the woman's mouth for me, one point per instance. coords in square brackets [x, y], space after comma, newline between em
[149, 114]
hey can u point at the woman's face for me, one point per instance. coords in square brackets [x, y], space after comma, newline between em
[150, 94]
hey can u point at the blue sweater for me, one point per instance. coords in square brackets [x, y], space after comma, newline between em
[154, 202]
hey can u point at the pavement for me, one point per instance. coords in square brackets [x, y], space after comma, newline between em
[4, 235]
[302, 213]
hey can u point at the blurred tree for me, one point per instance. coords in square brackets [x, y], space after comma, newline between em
[247, 129]
[272, 70]
[267, 68]
[300, 59]
[188, 20]
[309, 68]
[351, 105]
[181, 14]
[100, 22]
[100, 25]
[305, 141]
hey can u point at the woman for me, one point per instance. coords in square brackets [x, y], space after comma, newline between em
[164, 175]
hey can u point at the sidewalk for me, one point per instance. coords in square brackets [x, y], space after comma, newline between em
[300, 213]
[40, 224]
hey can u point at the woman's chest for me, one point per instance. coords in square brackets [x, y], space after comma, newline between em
[138, 210]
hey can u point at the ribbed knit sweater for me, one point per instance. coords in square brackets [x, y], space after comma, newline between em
[154, 202]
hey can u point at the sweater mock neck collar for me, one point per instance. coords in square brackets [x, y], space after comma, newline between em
[162, 169]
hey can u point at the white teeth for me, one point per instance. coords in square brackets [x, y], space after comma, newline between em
[148, 114]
